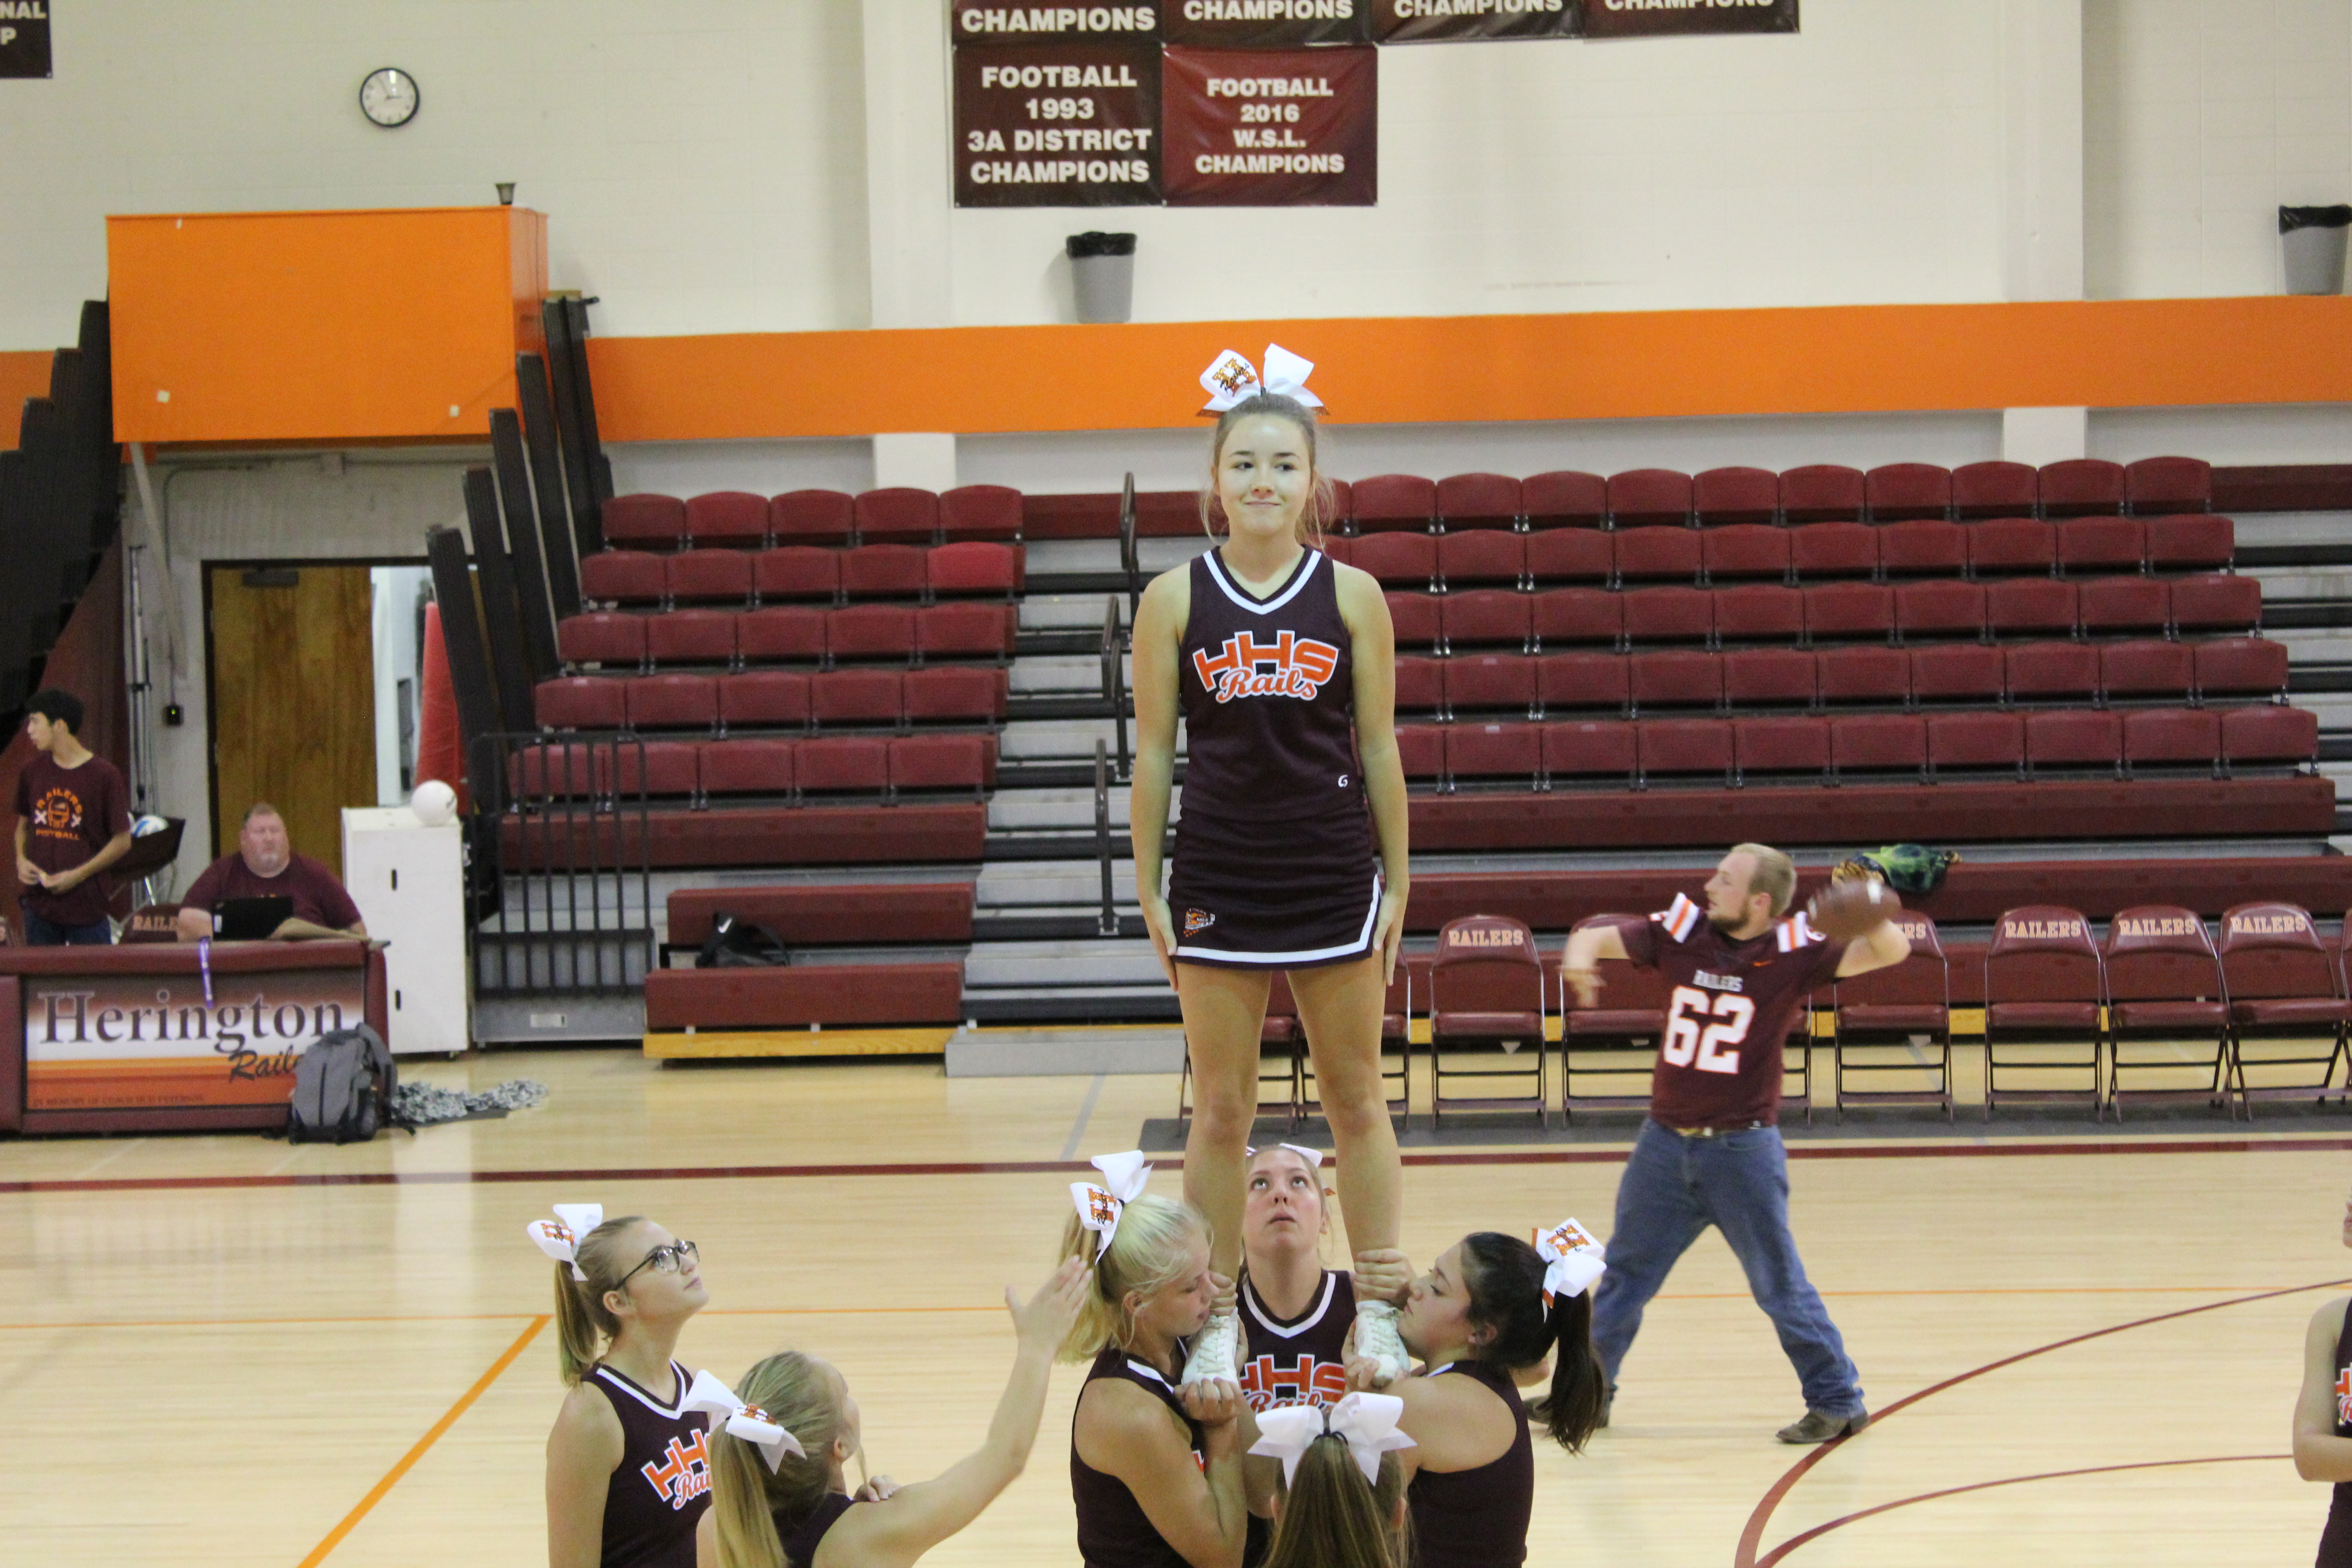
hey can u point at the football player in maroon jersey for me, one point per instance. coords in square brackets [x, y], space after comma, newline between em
[1710, 1151]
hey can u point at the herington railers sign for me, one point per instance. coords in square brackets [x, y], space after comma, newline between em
[110, 1042]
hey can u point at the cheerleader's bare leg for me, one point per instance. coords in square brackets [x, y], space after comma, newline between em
[1225, 1012]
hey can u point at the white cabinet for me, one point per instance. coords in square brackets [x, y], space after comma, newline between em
[409, 883]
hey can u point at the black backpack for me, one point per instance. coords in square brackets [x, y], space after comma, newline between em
[343, 1086]
[735, 943]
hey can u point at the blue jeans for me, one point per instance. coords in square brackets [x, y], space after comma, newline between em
[1673, 1188]
[39, 932]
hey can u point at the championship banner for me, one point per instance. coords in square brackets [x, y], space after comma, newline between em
[1266, 24]
[1272, 127]
[24, 38]
[1466, 21]
[1057, 125]
[1661, 18]
[972, 23]
[124, 1042]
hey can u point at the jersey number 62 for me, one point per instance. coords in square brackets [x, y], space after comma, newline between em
[1715, 1044]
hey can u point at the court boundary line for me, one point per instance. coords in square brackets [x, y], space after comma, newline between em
[1786, 1547]
[1751, 1536]
[1173, 1161]
[432, 1435]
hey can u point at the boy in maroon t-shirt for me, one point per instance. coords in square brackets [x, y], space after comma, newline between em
[73, 821]
[1710, 1153]
[265, 866]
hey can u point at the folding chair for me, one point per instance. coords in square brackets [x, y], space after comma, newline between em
[2165, 988]
[1618, 1039]
[1488, 998]
[2045, 988]
[2285, 988]
[1281, 1042]
[1396, 1045]
[1896, 1020]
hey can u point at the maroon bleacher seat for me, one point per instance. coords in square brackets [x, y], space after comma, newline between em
[1399, 560]
[2042, 990]
[1864, 672]
[1669, 615]
[672, 701]
[1994, 490]
[2080, 487]
[1721, 497]
[2095, 544]
[1942, 608]
[1578, 615]
[1392, 503]
[580, 702]
[957, 693]
[1481, 556]
[1486, 617]
[709, 576]
[2155, 485]
[974, 628]
[1570, 555]
[735, 517]
[1650, 497]
[1421, 750]
[1821, 492]
[1415, 618]
[1684, 748]
[1677, 677]
[2241, 667]
[2268, 734]
[1494, 753]
[938, 762]
[2283, 984]
[792, 996]
[2051, 671]
[1970, 672]
[1819, 550]
[899, 514]
[656, 768]
[812, 517]
[831, 914]
[1745, 550]
[1790, 746]
[1591, 749]
[2164, 983]
[781, 634]
[575, 772]
[2217, 602]
[691, 636]
[974, 568]
[842, 763]
[1759, 613]
[764, 700]
[1419, 684]
[884, 572]
[2011, 546]
[2031, 607]
[602, 637]
[2147, 667]
[1894, 744]
[623, 577]
[1583, 683]
[1923, 547]
[745, 767]
[1769, 677]
[2192, 541]
[1898, 490]
[1836, 611]
[1343, 505]
[796, 571]
[1564, 499]
[870, 631]
[1489, 683]
[856, 697]
[2115, 605]
[2172, 737]
[2073, 740]
[644, 522]
[1478, 501]
[1654, 554]
[980, 511]
[1976, 742]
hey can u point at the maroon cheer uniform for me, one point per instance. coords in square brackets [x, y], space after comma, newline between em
[1113, 1529]
[2336, 1544]
[802, 1539]
[1477, 1518]
[662, 1484]
[1297, 1361]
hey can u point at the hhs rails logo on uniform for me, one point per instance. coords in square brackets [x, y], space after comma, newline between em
[1300, 667]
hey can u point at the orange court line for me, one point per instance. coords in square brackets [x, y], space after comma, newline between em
[448, 1419]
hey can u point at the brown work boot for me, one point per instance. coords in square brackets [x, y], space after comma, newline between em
[1820, 1426]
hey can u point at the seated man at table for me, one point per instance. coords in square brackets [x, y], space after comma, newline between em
[265, 866]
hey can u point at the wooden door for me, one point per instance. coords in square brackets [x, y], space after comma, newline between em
[293, 699]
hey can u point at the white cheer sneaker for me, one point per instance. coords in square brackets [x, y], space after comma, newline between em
[1215, 1352]
[1377, 1337]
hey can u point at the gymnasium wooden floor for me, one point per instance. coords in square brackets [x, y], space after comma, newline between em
[228, 1351]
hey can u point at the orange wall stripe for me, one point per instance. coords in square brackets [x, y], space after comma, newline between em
[23, 373]
[1618, 366]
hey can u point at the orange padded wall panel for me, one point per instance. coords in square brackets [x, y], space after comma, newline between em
[22, 376]
[331, 327]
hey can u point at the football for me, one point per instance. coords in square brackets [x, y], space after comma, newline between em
[1845, 910]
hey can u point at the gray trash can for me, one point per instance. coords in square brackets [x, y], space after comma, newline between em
[1102, 266]
[2312, 239]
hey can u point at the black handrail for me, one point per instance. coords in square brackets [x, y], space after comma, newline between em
[1114, 680]
[569, 834]
[1110, 924]
[1129, 562]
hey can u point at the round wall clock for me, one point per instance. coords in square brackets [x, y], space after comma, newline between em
[389, 97]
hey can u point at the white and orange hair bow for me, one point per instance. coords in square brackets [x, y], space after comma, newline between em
[1367, 1422]
[1572, 1259]
[749, 1422]
[560, 1237]
[1314, 1157]
[1100, 1206]
[1231, 379]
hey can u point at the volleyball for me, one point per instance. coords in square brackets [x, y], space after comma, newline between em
[435, 804]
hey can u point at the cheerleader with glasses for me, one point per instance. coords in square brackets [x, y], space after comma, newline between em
[1290, 849]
